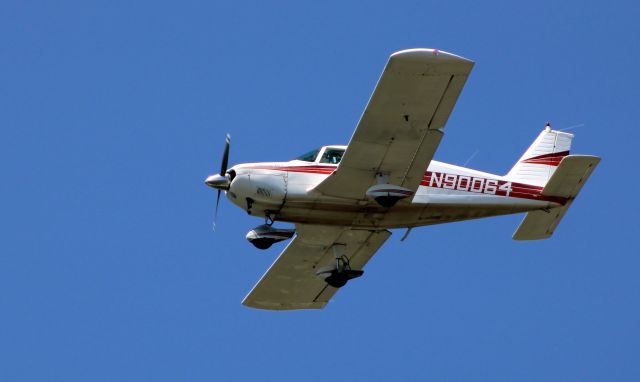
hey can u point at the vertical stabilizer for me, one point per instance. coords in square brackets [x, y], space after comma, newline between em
[542, 158]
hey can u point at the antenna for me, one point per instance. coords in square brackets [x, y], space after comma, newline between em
[471, 157]
[572, 127]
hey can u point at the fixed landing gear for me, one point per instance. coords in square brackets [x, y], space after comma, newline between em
[386, 194]
[264, 236]
[338, 274]
[262, 243]
[268, 220]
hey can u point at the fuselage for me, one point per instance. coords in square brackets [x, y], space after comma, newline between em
[284, 191]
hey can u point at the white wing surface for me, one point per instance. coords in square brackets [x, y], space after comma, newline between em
[401, 126]
[291, 281]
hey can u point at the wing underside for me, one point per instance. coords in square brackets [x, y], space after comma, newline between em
[402, 124]
[291, 281]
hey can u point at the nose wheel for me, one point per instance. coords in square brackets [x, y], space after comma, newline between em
[263, 236]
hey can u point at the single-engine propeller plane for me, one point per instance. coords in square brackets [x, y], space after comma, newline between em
[344, 199]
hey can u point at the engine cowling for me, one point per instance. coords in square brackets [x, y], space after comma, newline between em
[264, 236]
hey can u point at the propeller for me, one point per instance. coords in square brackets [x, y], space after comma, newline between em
[220, 181]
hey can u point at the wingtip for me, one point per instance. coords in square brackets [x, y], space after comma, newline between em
[266, 305]
[429, 53]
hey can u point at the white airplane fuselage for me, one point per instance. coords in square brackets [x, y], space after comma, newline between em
[343, 200]
[284, 191]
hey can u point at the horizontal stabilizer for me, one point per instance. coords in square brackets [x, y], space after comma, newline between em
[566, 182]
[572, 173]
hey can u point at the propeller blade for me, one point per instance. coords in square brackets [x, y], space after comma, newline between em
[215, 215]
[220, 181]
[225, 156]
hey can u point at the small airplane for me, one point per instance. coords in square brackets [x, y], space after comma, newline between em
[344, 199]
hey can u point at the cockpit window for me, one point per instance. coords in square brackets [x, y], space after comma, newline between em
[332, 156]
[310, 156]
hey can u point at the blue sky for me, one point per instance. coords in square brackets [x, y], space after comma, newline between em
[112, 113]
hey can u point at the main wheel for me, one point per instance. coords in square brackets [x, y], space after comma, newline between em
[262, 243]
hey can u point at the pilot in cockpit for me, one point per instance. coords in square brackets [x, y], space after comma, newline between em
[332, 156]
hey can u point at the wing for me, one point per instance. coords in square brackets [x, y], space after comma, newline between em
[402, 124]
[291, 281]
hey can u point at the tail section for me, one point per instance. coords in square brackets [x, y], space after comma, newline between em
[572, 173]
[541, 159]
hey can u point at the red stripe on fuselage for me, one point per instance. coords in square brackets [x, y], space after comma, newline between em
[486, 186]
[305, 169]
[552, 159]
[474, 185]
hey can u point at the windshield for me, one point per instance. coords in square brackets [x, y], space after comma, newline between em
[310, 156]
[332, 156]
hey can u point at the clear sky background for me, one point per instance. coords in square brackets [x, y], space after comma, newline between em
[112, 113]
